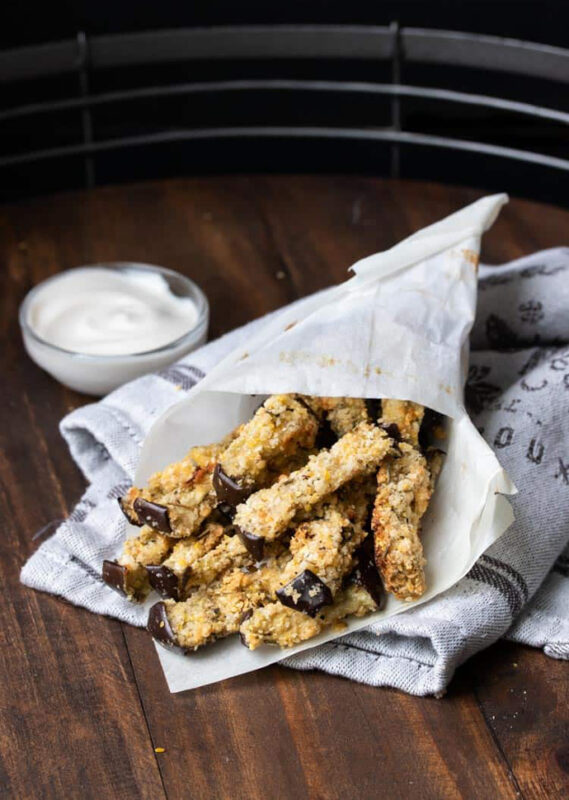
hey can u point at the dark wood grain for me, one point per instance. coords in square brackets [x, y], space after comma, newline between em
[72, 723]
[525, 702]
[84, 702]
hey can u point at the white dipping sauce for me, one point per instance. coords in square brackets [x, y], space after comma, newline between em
[94, 328]
[105, 313]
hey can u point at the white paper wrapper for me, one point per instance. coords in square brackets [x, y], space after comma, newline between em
[399, 329]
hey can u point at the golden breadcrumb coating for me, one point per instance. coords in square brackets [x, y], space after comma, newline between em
[326, 544]
[216, 610]
[404, 489]
[278, 429]
[279, 625]
[406, 415]
[344, 413]
[148, 547]
[187, 552]
[268, 512]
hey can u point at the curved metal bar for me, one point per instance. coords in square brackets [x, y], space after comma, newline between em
[399, 90]
[485, 52]
[52, 58]
[216, 43]
[244, 41]
[288, 42]
[377, 134]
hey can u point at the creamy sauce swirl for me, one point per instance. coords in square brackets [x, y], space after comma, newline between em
[102, 312]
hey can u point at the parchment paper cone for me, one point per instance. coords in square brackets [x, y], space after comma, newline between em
[398, 328]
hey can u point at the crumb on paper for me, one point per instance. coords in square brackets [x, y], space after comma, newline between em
[323, 361]
[290, 325]
[295, 357]
[471, 256]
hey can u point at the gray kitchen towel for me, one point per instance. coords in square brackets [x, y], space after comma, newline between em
[518, 394]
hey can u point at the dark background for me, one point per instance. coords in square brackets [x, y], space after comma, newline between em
[32, 23]
[28, 23]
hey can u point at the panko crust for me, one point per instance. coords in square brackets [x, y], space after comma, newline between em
[404, 488]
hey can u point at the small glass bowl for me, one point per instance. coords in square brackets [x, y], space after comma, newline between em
[97, 375]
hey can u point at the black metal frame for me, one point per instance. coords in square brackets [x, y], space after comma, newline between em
[391, 44]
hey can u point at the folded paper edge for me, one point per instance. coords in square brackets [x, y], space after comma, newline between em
[472, 220]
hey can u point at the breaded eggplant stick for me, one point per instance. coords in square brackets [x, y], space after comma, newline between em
[268, 512]
[170, 578]
[344, 413]
[128, 574]
[200, 561]
[279, 428]
[178, 512]
[154, 560]
[322, 550]
[211, 613]
[214, 611]
[403, 494]
[180, 472]
[229, 553]
[287, 464]
[278, 625]
[325, 545]
[182, 496]
[406, 415]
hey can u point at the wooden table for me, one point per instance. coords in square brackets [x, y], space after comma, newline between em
[84, 702]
